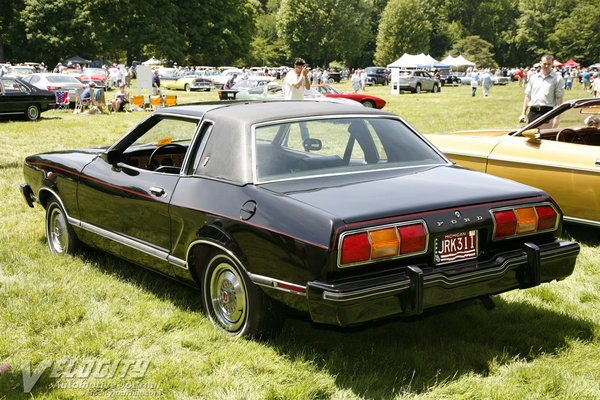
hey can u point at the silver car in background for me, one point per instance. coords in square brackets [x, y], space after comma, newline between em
[55, 83]
[417, 80]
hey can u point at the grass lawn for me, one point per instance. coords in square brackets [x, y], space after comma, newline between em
[94, 326]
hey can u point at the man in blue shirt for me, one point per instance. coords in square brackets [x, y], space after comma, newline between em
[155, 83]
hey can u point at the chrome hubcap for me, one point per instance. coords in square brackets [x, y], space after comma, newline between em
[57, 232]
[228, 296]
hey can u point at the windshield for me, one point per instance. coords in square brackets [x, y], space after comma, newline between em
[329, 146]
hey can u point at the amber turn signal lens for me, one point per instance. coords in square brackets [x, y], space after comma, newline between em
[385, 243]
[527, 219]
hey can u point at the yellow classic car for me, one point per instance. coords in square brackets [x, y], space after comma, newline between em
[189, 83]
[559, 153]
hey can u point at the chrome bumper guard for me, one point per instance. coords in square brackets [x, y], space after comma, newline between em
[412, 289]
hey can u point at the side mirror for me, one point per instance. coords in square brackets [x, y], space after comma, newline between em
[312, 144]
[532, 135]
[112, 156]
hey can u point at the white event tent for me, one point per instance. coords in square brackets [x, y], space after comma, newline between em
[459, 61]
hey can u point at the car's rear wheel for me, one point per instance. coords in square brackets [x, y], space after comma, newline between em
[233, 303]
[436, 88]
[59, 234]
[331, 81]
[368, 103]
[187, 87]
[418, 88]
[32, 112]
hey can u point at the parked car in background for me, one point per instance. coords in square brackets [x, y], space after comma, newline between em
[417, 81]
[220, 80]
[563, 160]
[346, 217]
[447, 77]
[376, 76]
[364, 99]
[500, 80]
[99, 76]
[465, 79]
[244, 84]
[274, 91]
[196, 81]
[19, 71]
[56, 82]
[18, 97]
[334, 75]
[168, 74]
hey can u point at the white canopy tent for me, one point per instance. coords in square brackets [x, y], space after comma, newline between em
[459, 61]
[153, 61]
[407, 61]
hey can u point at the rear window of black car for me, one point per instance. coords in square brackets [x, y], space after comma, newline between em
[338, 145]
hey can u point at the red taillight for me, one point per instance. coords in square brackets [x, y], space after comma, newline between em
[546, 217]
[355, 248]
[53, 87]
[383, 243]
[506, 223]
[413, 238]
[524, 220]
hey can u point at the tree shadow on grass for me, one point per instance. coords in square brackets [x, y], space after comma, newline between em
[383, 359]
[386, 358]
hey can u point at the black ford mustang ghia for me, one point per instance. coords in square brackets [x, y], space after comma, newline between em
[339, 211]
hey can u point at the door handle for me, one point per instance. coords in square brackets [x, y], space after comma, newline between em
[157, 191]
[597, 163]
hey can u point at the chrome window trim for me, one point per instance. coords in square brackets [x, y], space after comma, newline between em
[426, 142]
[185, 165]
[378, 227]
[516, 207]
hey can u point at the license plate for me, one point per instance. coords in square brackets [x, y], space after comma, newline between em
[456, 247]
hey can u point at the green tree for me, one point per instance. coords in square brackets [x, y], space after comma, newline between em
[404, 28]
[324, 30]
[475, 49]
[578, 35]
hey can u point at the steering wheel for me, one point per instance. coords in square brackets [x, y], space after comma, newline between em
[567, 135]
[159, 149]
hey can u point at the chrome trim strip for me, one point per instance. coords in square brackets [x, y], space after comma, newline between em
[260, 280]
[483, 156]
[178, 262]
[562, 167]
[581, 221]
[163, 255]
[365, 293]
[429, 280]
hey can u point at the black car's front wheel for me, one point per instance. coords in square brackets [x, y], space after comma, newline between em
[233, 303]
[32, 112]
[59, 234]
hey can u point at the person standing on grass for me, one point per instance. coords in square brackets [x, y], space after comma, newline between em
[486, 81]
[296, 81]
[474, 82]
[544, 91]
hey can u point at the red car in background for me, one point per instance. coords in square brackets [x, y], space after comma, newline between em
[99, 76]
[364, 99]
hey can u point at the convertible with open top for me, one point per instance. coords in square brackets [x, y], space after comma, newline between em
[559, 153]
[342, 212]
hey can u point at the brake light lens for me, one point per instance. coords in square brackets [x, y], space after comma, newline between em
[547, 217]
[383, 243]
[506, 223]
[355, 248]
[53, 87]
[523, 220]
[413, 238]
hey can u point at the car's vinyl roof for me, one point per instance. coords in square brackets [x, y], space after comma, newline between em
[262, 111]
